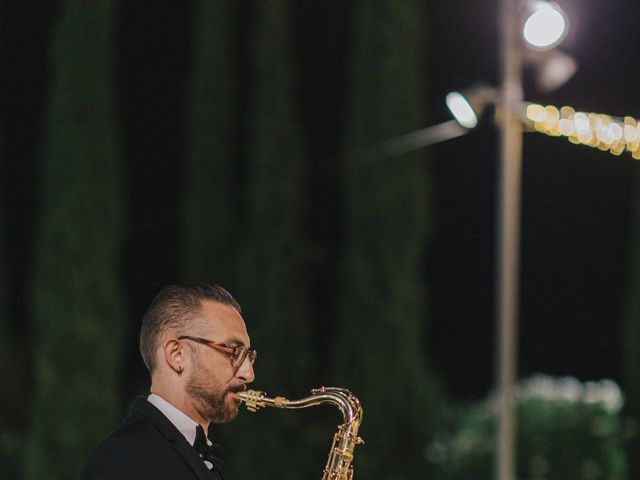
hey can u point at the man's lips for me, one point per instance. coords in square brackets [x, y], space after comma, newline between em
[235, 390]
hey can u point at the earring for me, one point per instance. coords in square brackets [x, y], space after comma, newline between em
[179, 370]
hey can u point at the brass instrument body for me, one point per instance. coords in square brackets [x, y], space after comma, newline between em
[339, 465]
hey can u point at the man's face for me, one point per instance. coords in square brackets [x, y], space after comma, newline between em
[213, 382]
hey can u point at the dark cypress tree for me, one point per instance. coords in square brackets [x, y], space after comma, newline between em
[9, 441]
[271, 282]
[210, 230]
[272, 260]
[631, 339]
[77, 302]
[380, 341]
[5, 449]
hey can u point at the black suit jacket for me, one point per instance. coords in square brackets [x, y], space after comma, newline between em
[146, 446]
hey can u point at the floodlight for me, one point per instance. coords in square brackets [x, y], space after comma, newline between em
[545, 24]
[461, 110]
[552, 69]
[467, 106]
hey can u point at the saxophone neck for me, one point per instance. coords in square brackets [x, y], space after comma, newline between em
[342, 398]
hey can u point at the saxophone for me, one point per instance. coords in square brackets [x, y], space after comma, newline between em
[346, 438]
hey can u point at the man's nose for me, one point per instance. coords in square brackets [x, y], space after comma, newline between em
[245, 372]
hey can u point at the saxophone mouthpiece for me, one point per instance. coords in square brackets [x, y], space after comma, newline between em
[253, 399]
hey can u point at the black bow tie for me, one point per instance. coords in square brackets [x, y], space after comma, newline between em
[210, 453]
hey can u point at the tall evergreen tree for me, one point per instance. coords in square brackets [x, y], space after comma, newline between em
[77, 302]
[210, 229]
[631, 337]
[271, 283]
[4, 343]
[380, 340]
[9, 442]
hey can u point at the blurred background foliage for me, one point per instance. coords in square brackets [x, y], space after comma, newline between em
[566, 429]
[76, 292]
[174, 143]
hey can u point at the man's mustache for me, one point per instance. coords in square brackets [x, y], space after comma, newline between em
[238, 388]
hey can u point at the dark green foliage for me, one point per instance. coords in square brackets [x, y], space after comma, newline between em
[271, 260]
[8, 441]
[210, 229]
[4, 408]
[271, 285]
[630, 341]
[380, 340]
[77, 303]
[565, 430]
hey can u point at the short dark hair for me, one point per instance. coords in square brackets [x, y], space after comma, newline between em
[174, 306]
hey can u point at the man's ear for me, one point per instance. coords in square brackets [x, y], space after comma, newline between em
[174, 354]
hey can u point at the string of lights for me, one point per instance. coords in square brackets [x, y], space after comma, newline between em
[613, 134]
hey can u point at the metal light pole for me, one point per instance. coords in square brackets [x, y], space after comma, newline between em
[508, 235]
[509, 102]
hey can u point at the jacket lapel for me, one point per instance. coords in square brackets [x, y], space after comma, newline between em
[142, 407]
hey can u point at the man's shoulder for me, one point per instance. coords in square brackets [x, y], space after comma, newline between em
[134, 434]
[133, 448]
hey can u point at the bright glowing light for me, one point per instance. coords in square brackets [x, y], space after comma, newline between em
[536, 112]
[566, 127]
[607, 133]
[616, 131]
[553, 117]
[617, 148]
[567, 112]
[586, 138]
[604, 134]
[546, 26]
[630, 133]
[582, 123]
[461, 110]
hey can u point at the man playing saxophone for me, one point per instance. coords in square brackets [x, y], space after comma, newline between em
[195, 345]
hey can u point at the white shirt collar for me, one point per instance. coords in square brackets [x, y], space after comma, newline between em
[182, 422]
[185, 424]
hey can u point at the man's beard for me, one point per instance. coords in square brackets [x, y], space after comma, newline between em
[210, 395]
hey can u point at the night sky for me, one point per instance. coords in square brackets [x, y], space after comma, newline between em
[577, 201]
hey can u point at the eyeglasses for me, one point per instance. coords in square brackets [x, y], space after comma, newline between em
[236, 353]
